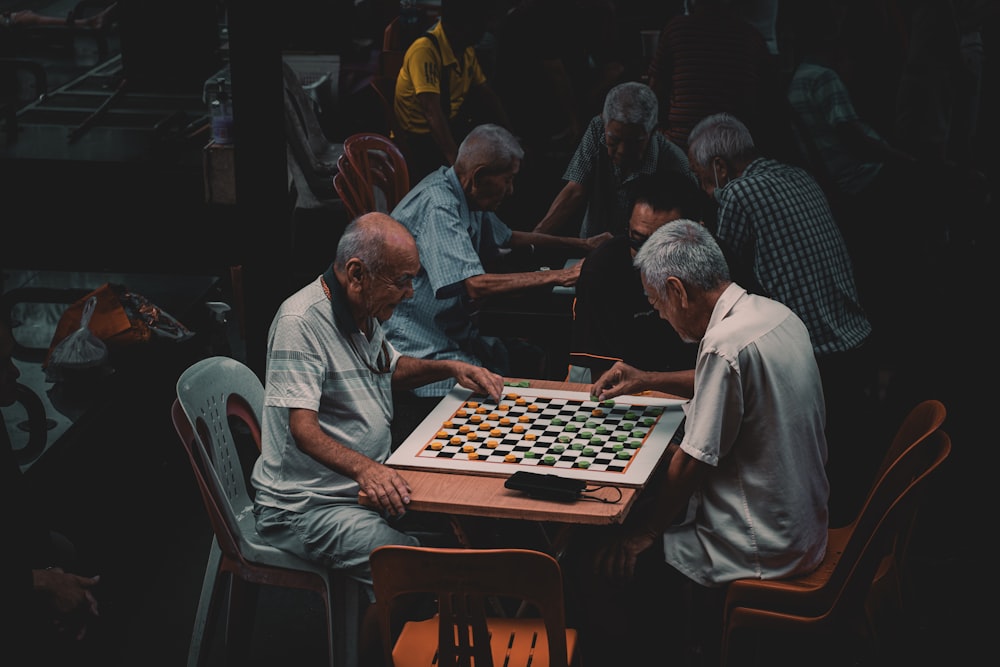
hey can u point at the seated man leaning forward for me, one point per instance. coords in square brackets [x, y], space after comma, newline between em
[617, 146]
[328, 404]
[744, 494]
[451, 215]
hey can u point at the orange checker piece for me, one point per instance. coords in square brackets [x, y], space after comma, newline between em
[460, 413]
[511, 396]
[468, 448]
[481, 410]
[524, 418]
[510, 458]
[492, 444]
[520, 401]
[473, 456]
[475, 419]
[496, 433]
[597, 412]
[503, 406]
[485, 427]
[530, 436]
[448, 424]
[472, 436]
[532, 408]
[505, 421]
[437, 445]
[493, 417]
[464, 428]
[518, 428]
[455, 440]
[441, 434]
[472, 405]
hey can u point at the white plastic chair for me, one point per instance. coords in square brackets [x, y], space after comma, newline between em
[210, 393]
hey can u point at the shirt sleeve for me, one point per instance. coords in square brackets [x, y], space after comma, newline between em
[584, 161]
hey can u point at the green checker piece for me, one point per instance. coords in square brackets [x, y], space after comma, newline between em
[582, 463]
[623, 455]
[591, 424]
[588, 451]
[577, 446]
[602, 430]
[596, 440]
[656, 410]
[638, 434]
[530, 454]
[564, 438]
[621, 437]
[580, 418]
[586, 434]
[559, 449]
[631, 414]
[548, 459]
[635, 444]
[648, 421]
[628, 426]
[572, 428]
[607, 404]
[558, 422]
[617, 447]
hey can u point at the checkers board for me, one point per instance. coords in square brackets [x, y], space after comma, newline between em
[566, 433]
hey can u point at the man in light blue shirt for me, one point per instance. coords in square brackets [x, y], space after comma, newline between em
[451, 214]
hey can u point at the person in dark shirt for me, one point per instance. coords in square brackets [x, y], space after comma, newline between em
[612, 318]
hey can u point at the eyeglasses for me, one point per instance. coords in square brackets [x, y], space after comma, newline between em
[636, 240]
[403, 282]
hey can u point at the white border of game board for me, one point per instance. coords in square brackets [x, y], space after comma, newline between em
[638, 471]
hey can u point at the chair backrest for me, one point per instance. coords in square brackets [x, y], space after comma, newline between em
[925, 418]
[375, 174]
[463, 581]
[379, 160]
[837, 589]
[351, 190]
[209, 393]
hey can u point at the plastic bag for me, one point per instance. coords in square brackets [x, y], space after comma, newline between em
[79, 351]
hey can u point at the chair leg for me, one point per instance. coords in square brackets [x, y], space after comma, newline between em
[345, 607]
[241, 613]
[204, 619]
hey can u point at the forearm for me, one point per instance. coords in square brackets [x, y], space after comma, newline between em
[412, 372]
[490, 284]
[439, 128]
[521, 239]
[312, 440]
[670, 487]
[566, 204]
[678, 383]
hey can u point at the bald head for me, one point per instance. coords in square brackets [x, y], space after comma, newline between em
[376, 239]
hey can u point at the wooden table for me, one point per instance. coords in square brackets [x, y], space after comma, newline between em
[460, 494]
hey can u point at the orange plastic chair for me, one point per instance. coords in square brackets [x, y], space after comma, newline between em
[831, 600]
[211, 394]
[351, 189]
[372, 175]
[466, 582]
[887, 589]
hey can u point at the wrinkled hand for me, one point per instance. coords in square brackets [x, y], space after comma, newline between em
[596, 241]
[480, 380]
[568, 277]
[72, 599]
[618, 380]
[386, 488]
[616, 560]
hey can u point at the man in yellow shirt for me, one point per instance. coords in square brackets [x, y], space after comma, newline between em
[441, 90]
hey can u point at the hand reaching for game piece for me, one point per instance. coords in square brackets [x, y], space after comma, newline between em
[618, 380]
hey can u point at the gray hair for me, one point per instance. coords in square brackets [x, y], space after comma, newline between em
[632, 103]
[490, 146]
[364, 240]
[686, 250]
[720, 135]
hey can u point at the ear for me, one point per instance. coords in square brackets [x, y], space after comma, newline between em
[675, 290]
[722, 168]
[355, 271]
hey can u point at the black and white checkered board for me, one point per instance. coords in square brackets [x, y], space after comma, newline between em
[564, 433]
